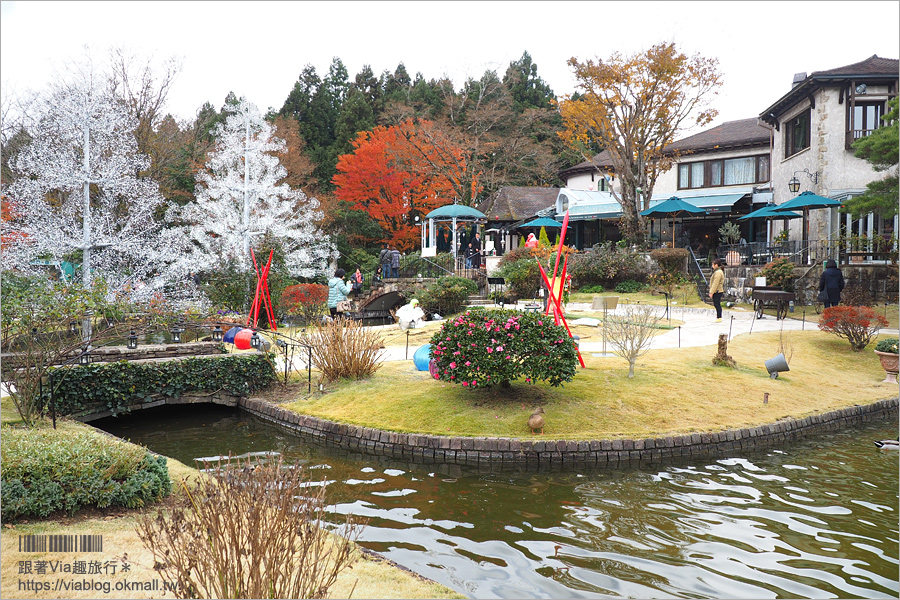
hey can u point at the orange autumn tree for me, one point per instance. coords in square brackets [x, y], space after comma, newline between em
[398, 173]
[634, 107]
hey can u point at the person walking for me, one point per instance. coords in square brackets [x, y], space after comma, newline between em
[384, 259]
[395, 263]
[476, 252]
[717, 287]
[337, 291]
[356, 282]
[832, 283]
[470, 252]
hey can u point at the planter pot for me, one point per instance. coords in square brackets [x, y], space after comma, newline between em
[889, 362]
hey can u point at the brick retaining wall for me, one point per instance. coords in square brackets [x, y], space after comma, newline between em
[511, 453]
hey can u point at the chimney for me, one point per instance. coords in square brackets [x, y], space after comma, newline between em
[798, 79]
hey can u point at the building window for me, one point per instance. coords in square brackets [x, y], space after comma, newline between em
[729, 171]
[796, 134]
[865, 117]
[603, 184]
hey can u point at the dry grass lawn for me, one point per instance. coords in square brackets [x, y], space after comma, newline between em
[673, 391]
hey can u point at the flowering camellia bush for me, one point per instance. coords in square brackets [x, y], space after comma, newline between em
[858, 324]
[482, 348]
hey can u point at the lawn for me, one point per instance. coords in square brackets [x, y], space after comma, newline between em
[674, 391]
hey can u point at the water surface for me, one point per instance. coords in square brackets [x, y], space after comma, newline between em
[817, 519]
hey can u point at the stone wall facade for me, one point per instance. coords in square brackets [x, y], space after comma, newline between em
[498, 454]
[879, 280]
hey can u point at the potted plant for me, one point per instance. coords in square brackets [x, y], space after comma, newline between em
[886, 350]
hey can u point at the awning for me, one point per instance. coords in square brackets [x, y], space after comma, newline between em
[583, 212]
[720, 203]
[712, 204]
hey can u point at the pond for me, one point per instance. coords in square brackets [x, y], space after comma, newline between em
[816, 519]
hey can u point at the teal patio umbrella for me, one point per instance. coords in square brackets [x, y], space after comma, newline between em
[768, 213]
[672, 208]
[543, 222]
[805, 202]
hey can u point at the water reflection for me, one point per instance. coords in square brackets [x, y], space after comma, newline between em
[818, 519]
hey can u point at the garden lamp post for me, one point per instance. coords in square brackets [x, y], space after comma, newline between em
[85, 357]
[217, 334]
[255, 342]
[132, 341]
[176, 333]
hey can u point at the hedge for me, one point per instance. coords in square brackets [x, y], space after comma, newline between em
[48, 470]
[118, 385]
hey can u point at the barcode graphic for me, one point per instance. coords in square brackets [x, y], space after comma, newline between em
[60, 543]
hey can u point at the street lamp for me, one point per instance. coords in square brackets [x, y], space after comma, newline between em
[132, 341]
[217, 334]
[794, 183]
[176, 333]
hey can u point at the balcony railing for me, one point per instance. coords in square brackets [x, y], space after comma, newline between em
[841, 250]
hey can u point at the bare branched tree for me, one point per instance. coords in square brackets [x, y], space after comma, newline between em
[631, 332]
[251, 530]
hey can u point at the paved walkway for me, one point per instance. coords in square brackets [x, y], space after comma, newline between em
[699, 328]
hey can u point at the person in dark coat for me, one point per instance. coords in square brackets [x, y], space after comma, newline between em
[831, 282]
[395, 263]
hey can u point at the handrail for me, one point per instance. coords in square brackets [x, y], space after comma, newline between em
[697, 275]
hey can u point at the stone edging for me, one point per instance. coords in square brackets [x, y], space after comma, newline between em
[501, 453]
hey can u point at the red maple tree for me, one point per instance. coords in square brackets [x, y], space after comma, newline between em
[400, 172]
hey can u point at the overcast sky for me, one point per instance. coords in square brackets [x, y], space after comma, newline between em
[258, 49]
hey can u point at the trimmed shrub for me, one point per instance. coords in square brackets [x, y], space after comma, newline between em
[859, 325]
[670, 260]
[494, 347]
[47, 470]
[779, 273]
[447, 296]
[306, 301]
[888, 345]
[115, 386]
[630, 286]
[591, 289]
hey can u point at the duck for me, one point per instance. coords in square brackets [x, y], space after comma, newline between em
[536, 420]
[883, 444]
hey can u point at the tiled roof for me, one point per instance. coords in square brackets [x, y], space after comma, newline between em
[871, 69]
[733, 134]
[516, 203]
[874, 65]
[601, 160]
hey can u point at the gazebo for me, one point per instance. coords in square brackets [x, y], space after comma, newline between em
[453, 213]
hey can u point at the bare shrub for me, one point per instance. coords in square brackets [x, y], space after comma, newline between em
[630, 333]
[249, 530]
[855, 294]
[343, 348]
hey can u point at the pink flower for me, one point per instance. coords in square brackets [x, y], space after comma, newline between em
[456, 353]
[468, 363]
[436, 376]
[453, 365]
[540, 322]
[489, 349]
[465, 383]
[499, 348]
[508, 357]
